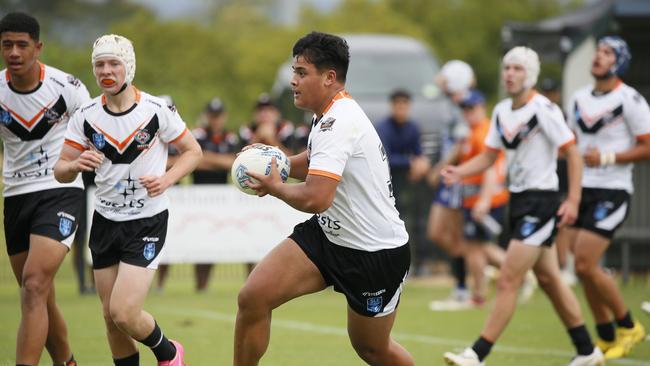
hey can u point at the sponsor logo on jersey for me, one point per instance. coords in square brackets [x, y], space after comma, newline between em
[327, 124]
[5, 117]
[74, 81]
[52, 116]
[142, 137]
[374, 304]
[602, 209]
[327, 222]
[99, 141]
[149, 251]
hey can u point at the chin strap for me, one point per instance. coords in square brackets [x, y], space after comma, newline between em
[121, 89]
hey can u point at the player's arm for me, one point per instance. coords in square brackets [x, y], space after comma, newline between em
[489, 187]
[188, 158]
[474, 166]
[314, 195]
[299, 165]
[73, 159]
[569, 209]
[433, 177]
[212, 160]
[639, 152]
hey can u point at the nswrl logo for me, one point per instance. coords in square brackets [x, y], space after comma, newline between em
[5, 117]
[149, 251]
[99, 141]
[373, 304]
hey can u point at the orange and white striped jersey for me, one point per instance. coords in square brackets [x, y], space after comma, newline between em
[32, 127]
[344, 145]
[611, 122]
[134, 144]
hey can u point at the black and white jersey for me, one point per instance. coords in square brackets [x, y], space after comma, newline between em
[134, 144]
[611, 122]
[531, 136]
[32, 127]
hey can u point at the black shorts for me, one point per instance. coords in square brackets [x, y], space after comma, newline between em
[371, 281]
[52, 213]
[533, 217]
[137, 242]
[603, 211]
[475, 231]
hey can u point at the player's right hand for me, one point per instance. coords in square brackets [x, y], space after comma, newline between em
[451, 174]
[89, 160]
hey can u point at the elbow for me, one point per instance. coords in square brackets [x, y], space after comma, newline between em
[60, 176]
[318, 205]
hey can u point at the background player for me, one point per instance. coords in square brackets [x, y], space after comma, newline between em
[612, 122]
[531, 129]
[40, 214]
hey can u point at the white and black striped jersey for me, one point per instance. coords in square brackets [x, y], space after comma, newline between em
[531, 136]
[32, 126]
[611, 122]
[134, 144]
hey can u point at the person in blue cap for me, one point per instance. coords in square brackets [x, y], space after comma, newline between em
[612, 124]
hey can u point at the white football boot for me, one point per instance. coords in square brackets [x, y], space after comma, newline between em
[467, 358]
[596, 358]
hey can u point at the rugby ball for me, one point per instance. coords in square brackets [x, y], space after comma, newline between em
[258, 159]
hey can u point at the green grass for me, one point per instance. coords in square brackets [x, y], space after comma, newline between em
[309, 330]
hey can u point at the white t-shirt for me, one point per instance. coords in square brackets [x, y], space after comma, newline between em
[32, 126]
[134, 144]
[531, 136]
[611, 122]
[344, 146]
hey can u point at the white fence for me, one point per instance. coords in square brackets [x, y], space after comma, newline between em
[219, 224]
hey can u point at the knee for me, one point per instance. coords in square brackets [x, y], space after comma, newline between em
[545, 281]
[35, 288]
[121, 315]
[584, 269]
[508, 282]
[248, 301]
[370, 354]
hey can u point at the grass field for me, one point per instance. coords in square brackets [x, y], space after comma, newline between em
[310, 330]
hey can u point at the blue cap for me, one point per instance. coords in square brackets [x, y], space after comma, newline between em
[472, 98]
[622, 51]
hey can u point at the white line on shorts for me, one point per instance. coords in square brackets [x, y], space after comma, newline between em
[324, 329]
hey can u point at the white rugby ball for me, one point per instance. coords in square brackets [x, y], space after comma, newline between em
[258, 159]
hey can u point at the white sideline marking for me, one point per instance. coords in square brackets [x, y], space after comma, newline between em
[323, 329]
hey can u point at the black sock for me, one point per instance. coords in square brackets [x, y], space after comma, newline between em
[581, 340]
[162, 348]
[606, 331]
[458, 270]
[626, 321]
[482, 348]
[133, 360]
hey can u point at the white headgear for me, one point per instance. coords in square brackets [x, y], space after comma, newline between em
[119, 47]
[527, 58]
[458, 76]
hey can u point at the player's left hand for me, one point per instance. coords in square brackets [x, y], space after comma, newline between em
[592, 156]
[480, 209]
[568, 213]
[266, 183]
[155, 185]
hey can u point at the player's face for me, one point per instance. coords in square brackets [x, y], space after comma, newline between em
[308, 85]
[110, 74]
[604, 59]
[513, 76]
[474, 114]
[19, 52]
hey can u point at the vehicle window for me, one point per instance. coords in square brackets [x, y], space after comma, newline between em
[379, 74]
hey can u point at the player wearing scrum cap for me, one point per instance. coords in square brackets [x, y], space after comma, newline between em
[123, 135]
[531, 129]
[612, 122]
[456, 77]
[40, 214]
